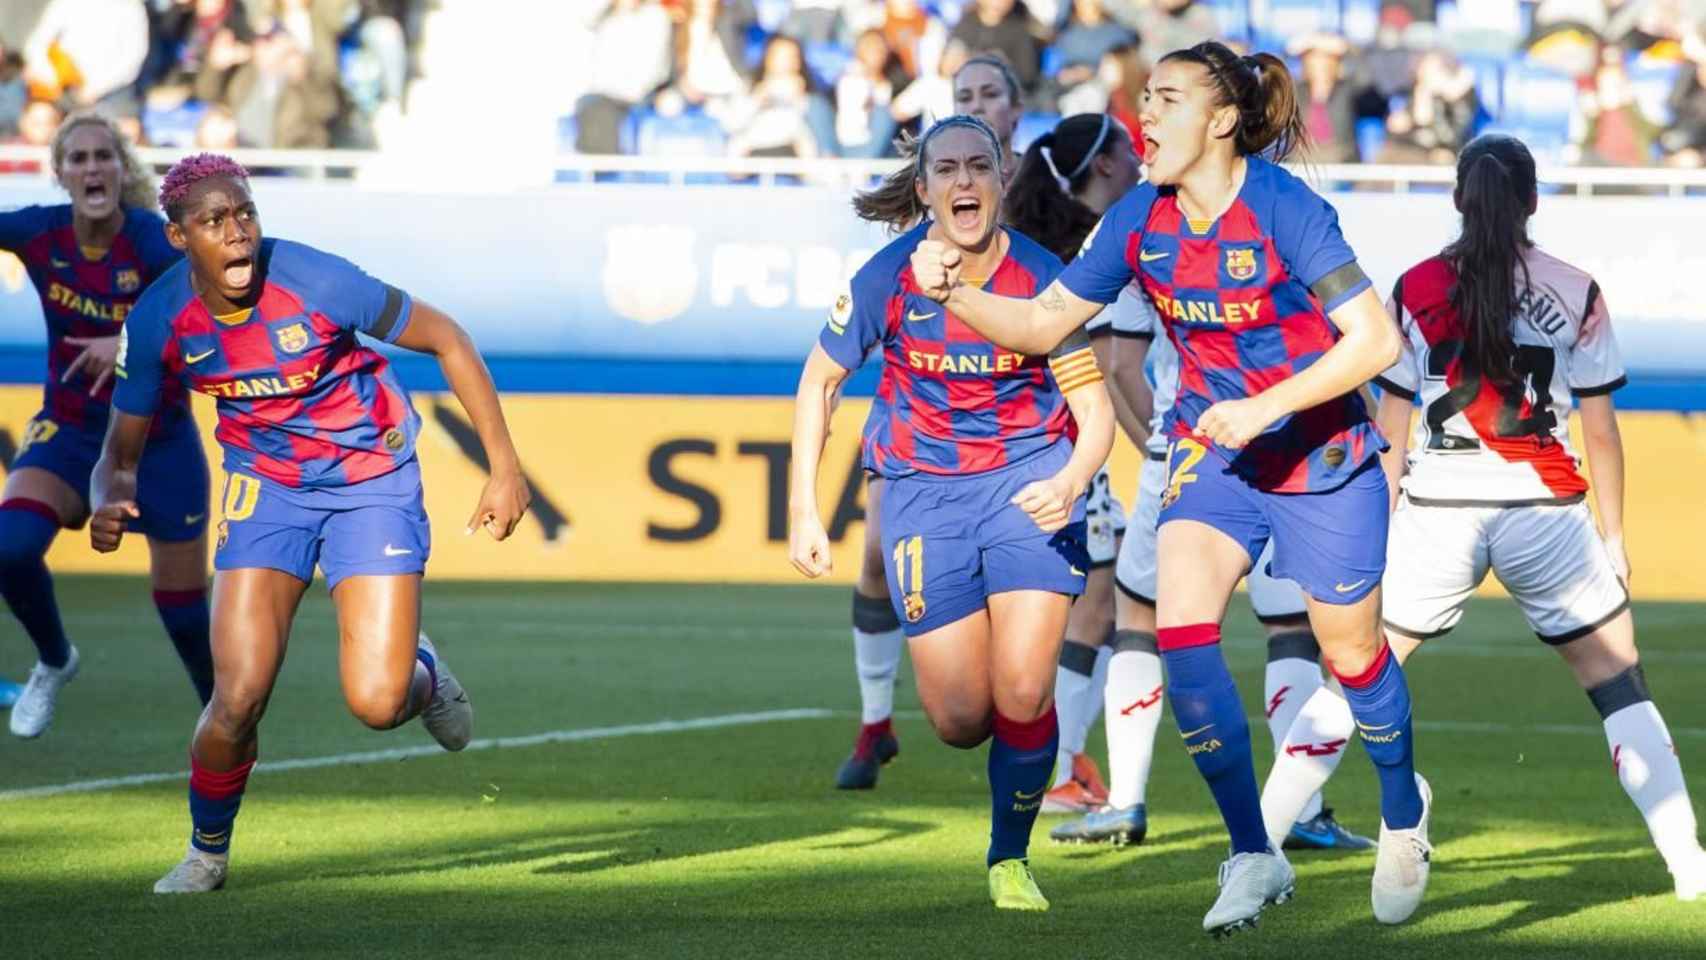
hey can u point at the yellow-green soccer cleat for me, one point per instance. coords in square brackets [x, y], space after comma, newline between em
[1012, 887]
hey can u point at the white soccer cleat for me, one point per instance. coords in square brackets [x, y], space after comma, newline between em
[449, 717]
[1401, 865]
[34, 709]
[1249, 882]
[198, 872]
[1691, 878]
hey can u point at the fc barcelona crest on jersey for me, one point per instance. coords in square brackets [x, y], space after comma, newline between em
[1241, 264]
[292, 339]
[128, 281]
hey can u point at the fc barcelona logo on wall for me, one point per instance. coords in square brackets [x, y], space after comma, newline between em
[1241, 264]
[293, 338]
[128, 281]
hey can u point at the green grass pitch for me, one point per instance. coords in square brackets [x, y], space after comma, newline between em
[730, 842]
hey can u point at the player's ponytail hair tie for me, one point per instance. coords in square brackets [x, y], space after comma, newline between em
[1065, 180]
[1054, 171]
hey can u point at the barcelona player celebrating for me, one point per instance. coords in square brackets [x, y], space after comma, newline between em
[90, 260]
[1276, 327]
[986, 455]
[319, 442]
[1499, 336]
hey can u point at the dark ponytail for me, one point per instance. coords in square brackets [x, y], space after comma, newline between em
[1042, 201]
[1270, 120]
[1496, 194]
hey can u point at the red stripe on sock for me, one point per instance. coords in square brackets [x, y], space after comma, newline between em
[1368, 676]
[179, 598]
[1021, 735]
[219, 784]
[877, 729]
[31, 506]
[1185, 637]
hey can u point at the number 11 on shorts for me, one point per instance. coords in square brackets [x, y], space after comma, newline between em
[909, 559]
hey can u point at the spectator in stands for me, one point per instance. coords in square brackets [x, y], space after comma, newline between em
[631, 58]
[1387, 69]
[1684, 141]
[89, 52]
[813, 21]
[1567, 35]
[39, 122]
[14, 93]
[184, 32]
[1003, 27]
[1439, 116]
[1329, 102]
[1616, 133]
[863, 122]
[916, 38]
[1167, 25]
[931, 96]
[1088, 36]
[217, 129]
[273, 96]
[776, 119]
[710, 53]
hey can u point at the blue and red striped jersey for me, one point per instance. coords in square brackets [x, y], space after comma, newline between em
[301, 401]
[949, 401]
[86, 297]
[1238, 297]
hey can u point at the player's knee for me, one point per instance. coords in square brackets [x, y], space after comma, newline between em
[22, 543]
[960, 727]
[235, 711]
[379, 703]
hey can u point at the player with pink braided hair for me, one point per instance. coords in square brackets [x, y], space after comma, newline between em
[319, 440]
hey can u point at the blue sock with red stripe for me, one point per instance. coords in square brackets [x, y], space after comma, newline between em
[1380, 701]
[1021, 766]
[184, 614]
[1216, 732]
[27, 528]
[215, 796]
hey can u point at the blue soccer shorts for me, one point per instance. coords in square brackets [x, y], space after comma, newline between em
[377, 527]
[1332, 544]
[954, 541]
[171, 481]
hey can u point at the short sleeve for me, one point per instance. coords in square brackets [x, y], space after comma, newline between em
[20, 226]
[857, 321]
[141, 362]
[352, 299]
[1596, 365]
[1307, 237]
[1400, 378]
[1101, 269]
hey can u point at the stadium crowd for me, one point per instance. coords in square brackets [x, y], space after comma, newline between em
[1619, 82]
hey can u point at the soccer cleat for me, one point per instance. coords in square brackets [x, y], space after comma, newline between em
[34, 709]
[875, 747]
[198, 872]
[1323, 832]
[9, 693]
[1248, 882]
[1691, 878]
[1069, 797]
[1115, 825]
[1085, 771]
[1012, 887]
[449, 717]
[1401, 865]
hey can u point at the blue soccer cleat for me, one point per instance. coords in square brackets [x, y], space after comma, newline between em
[876, 746]
[1119, 826]
[9, 693]
[1323, 832]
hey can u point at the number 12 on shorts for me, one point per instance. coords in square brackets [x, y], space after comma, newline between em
[909, 575]
[1182, 459]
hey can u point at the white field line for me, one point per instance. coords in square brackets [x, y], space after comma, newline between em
[404, 753]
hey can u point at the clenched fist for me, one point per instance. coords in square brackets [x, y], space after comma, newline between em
[936, 267]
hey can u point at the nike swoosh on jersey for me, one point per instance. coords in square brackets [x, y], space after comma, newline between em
[59, 264]
[391, 551]
[1191, 733]
[199, 357]
[1347, 588]
[1148, 257]
[193, 517]
[919, 317]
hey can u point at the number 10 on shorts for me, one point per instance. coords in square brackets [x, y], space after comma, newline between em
[909, 559]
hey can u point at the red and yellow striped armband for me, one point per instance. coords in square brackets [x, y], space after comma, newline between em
[1075, 369]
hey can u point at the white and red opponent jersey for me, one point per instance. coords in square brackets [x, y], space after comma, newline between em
[1479, 444]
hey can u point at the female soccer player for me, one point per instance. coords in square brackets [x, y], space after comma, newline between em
[1498, 337]
[984, 87]
[90, 259]
[319, 442]
[1276, 327]
[984, 482]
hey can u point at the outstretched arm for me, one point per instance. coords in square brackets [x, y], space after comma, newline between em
[1024, 326]
[814, 402]
[505, 497]
[112, 488]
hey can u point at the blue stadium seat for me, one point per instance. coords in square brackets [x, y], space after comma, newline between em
[1653, 82]
[1032, 126]
[568, 129]
[1489, 80]
[1286, 19]
[1538, 99]
[756, 38]
[1371, 136]
[1359, 20]
[826, 61]
[1050, 61]
[1234, 17]
[174, 127]
[689, 134]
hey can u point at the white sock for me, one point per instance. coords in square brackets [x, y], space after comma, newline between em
[1642, 751]
[1133, 700]
[1309, 754]
[1098, 683]
[876, 656]
[1073, 685]
[1289, 683]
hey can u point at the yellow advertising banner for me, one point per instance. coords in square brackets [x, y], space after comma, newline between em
[695, 489]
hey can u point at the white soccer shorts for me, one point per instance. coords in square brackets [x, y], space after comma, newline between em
[1550, 558]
